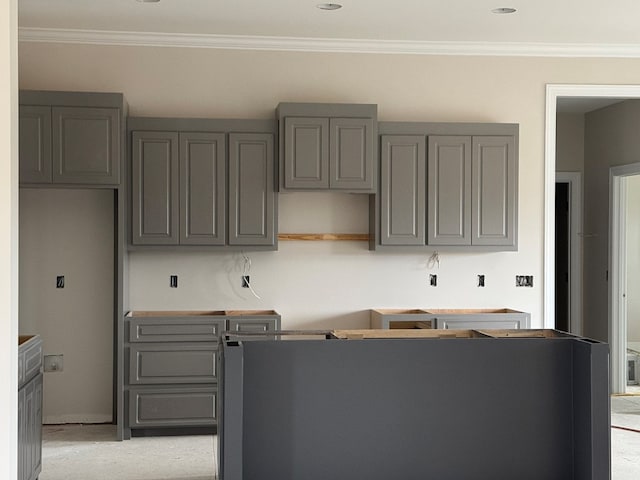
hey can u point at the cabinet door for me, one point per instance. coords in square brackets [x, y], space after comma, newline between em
[86, 145]
[351, 165]
[172, 407]
[202, 188]
[494, 220]
[36, 447]
[306, 153]
[35, 144]
[251, 189]
[154, 194]
[449, 187]
[23, 445]
[402, 190]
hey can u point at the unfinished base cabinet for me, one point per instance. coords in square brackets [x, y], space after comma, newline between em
[473, 405]
[29, 407]
[172, 358]
[457, 319]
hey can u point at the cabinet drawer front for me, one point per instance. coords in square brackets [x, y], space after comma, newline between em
[166, 407]
[154, 364]
[175, 329]
[480, 323]
[30, 360]
[254, 324]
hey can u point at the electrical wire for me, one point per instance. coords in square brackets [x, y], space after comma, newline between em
[246, 270]
[434, 260]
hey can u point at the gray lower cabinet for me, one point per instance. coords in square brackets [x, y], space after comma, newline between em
[466, 196]
[29, 407]
[202, 188]
[70, 138]
[173, 372]
[328, 147]
[457, 319]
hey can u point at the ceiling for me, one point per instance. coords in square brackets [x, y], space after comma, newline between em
[541, 27]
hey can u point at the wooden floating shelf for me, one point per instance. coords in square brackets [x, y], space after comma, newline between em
[352, 237]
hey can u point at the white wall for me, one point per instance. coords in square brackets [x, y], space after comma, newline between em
[70, 232]
[633, 258]
[8, 238]
[325, 284]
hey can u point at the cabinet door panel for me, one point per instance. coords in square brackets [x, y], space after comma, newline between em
[251, 189]
[306, 153]
[86, 145]
[449, 187]
[35, 144]
[169, 363]
[494, 190]
[402, 191]
[155, 188]
[351, 164]
[202, 188]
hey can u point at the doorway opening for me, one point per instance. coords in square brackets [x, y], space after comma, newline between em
[624, 263]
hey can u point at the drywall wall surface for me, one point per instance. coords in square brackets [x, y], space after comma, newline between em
[633, 258]
[8, 238]
[70, 233]
[198, 82]
[570, 142]
[611, 139]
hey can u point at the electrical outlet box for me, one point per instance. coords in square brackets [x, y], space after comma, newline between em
[524, 280]
[245, 281]
[53, 363]
[173, 281]
[433, 280]
[481, 280]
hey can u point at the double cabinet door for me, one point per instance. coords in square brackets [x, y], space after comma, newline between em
[328, 154]
[448, 190]
[69, 145]
[190, 188]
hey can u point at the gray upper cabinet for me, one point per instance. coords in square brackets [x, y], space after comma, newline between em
[494, 191]
[86, 145]
[154, 196]
[449, 187]
[199, 182]
[35, 144]
[402, 189]
[251, 189]
[306, 153]
[70, 138]
[471, 181]
[202, 188]
[328, 147]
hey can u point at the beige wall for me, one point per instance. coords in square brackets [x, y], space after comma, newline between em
[570, 142]
[322, 284]
[633, 258]
[8, 238]
[70, 232]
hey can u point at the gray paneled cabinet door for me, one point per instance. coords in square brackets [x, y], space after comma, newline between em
[306, 153]
[35, 144]
[251, 189]
[155, 203]
[351, 164]
[86, 145]
[402, 190]
[449, 187]
[494, 190]
[202, 188]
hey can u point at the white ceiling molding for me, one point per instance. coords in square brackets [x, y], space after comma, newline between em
[240, 42]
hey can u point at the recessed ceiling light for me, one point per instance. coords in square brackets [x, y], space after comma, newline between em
[329, 6]
[148, 1]
[503, 10]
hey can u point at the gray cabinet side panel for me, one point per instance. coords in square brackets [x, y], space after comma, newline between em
[251, 189]
[402, 190]
[154, 176]
[86, 145]
[494, 165]
[306, 153]
[202, 188]
[449, 190]
[351, 165]
[35, 144]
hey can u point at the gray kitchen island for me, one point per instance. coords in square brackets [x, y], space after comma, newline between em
[446, 404]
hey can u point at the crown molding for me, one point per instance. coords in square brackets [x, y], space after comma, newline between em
[298, 44]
